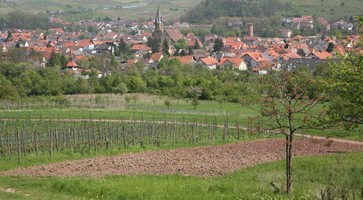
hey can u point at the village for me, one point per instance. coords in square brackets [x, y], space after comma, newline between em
[260, 55]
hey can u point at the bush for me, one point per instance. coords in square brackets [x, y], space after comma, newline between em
[60, 100]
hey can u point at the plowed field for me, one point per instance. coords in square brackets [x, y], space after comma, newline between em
[200, 161]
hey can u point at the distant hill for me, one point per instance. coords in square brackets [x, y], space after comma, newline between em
[209, 10]
[74, 10]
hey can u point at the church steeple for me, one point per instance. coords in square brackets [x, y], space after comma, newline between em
[159, 27]
[158, 17]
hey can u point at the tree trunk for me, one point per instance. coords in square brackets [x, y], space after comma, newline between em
[288, 163]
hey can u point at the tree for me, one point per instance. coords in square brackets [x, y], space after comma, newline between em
[285, 107]
[346, 87]
[181, 44]
[7, 90]
[218, 45]
[330, 47]
[165, 47]
[123, 46]
[153, 43]
[167, 102]
[195, 92]
[220, 99]
[191, 52]
[8, 38]
[121, 88]
[196, 44]
[127, 99]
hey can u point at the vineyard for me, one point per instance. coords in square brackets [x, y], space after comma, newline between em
[46, 136]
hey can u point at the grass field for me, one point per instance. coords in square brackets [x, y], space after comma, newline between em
[312, 175]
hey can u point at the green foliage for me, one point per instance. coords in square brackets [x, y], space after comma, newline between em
[168, 103]
[181, 44]
[123, 48]
[213, 9]
[22, 20]
[346, 87]
[121, 88]
[57, 60]
[172, 79]
[165, 47]
[7, 90]
[154, 44]
[218, 45]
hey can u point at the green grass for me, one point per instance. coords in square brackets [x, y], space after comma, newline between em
[310, 175]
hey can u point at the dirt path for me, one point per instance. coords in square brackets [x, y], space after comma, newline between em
[315, 137]
[201, 161]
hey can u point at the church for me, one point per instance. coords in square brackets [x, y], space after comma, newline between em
[171, 35]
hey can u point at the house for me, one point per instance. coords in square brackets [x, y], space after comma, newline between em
[321, 55]
[234, 63]
[140, 48]
[286, 33]
[23, 44]
[311, 64]
[71, 67]
[253, 59]
[56, 30]
[303, 52]
[209, 62]
[156, 57]
[187, 60]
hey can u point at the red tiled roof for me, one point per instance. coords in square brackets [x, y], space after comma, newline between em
[156, 57]
[59, 30]
[140, 47]
[323, 55]
[255, 56]
[234, 61]
[131, 62]
[209, 61]
[83, 43]
[174, 34]
[184, 59]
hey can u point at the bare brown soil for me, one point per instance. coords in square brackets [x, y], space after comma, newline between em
[201, 161]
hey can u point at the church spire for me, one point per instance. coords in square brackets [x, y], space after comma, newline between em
[158, 17]
[159, 27]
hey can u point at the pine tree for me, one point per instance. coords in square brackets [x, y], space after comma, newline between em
[165, 47]
[196, 44]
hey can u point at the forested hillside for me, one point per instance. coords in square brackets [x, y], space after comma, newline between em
[209, 10]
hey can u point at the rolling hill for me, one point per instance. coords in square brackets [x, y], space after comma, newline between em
[209, 10]
[90, 9]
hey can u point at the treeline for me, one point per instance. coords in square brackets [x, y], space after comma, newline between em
[263, 26]
[171, 78]
[26, 21]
